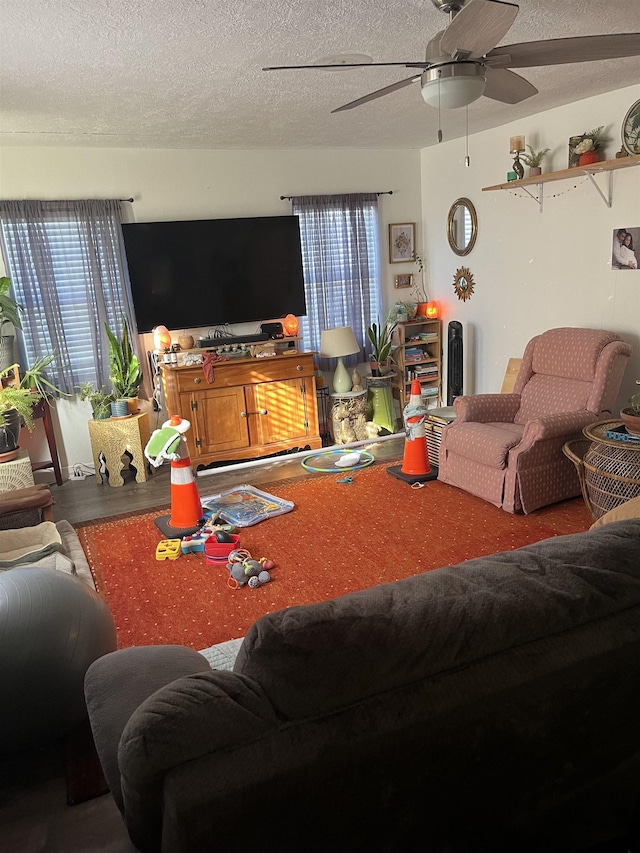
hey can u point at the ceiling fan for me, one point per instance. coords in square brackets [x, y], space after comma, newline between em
[462, 61]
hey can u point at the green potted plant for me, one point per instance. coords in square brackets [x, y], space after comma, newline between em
[534, 160]
[17, 404]
[35, 379]
[99, 401]
[126, 375]
[380, 337]
[9, 313]
[630, 415]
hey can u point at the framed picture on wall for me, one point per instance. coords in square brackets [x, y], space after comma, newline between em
[404, 280]
[402, 242]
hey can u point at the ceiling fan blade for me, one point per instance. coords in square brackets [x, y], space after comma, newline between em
[478, 27]
[559, 51]
[348, 65]
[378, 94]
[506, 86]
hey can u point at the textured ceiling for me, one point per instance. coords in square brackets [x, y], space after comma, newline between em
[187, 73]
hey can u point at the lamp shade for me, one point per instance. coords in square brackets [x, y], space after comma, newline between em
[161, 338]
[453, 85]
[335, 343]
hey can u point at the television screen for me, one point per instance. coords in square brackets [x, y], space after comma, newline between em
[207, 272]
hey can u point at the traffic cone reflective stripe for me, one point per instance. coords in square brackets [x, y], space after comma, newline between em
[186, 509]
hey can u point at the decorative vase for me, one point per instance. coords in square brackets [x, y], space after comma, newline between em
[534, 171]
[133, 404]
[120, 409]
[421, 309]
[588, 158]
[631, 420]
[186, 341]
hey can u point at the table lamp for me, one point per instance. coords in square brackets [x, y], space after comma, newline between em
[336, 343]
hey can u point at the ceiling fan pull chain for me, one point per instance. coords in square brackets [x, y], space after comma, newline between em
[439, 122]
[466, 138]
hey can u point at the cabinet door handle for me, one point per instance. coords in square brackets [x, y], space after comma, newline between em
[197, 380]
[259, 412]
[298, 367]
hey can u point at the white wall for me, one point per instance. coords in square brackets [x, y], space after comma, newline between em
[534, 271]
[178, 184]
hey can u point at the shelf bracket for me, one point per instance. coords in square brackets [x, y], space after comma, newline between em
[605, 198]
[539, 198]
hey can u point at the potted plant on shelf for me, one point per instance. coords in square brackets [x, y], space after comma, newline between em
[419, 293]
[630, 415]
[9, 313]
[99, 401]
[587, 145]
[380, 337]
[126, 375]
[534, 160]
[17, 404]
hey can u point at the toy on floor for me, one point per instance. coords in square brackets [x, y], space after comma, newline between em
[168, 549]
[221, 533]
[245, 505]
[245, 571]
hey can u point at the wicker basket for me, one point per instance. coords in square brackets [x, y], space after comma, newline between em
[608, 469]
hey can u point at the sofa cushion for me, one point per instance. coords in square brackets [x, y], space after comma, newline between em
[28, 544]
[316, 658]
[489, 441]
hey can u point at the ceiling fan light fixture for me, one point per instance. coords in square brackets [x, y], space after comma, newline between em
[451, 85]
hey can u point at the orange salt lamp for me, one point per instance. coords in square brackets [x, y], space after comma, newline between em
[290, 325]
[432, 310]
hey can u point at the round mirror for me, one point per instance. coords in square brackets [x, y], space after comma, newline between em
[462, 226]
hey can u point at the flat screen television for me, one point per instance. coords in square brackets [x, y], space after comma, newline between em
[208, 272]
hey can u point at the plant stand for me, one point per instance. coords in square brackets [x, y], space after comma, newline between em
[112, 439]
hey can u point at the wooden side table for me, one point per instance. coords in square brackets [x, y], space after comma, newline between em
[608, 468]
[112, 438]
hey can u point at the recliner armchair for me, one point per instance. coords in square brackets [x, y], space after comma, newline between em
[507, 448]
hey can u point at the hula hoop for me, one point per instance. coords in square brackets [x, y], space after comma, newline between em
[326, 461]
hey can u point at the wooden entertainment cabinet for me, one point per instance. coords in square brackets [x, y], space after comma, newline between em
[253, 407]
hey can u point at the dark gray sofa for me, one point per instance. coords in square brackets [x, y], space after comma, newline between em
[489, 706]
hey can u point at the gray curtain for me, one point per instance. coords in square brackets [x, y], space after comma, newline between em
[38, 240]
[340, 255]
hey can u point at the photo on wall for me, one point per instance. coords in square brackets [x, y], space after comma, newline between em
[625, 254]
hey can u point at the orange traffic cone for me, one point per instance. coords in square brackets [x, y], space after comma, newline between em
[415, 466]
[186, 509]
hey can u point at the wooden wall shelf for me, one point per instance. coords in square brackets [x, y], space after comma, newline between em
[605, 166]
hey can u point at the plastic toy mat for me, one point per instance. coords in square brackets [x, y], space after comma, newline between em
[245, 505]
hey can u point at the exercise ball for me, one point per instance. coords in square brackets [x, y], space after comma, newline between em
[52, 627]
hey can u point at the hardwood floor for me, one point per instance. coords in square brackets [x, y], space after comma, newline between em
[85, 500]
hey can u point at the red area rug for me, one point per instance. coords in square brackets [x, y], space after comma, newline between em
[339, 538]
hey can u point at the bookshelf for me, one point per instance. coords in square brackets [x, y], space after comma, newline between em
[418, 355]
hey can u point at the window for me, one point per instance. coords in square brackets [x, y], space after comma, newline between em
[66, 264]
[340, 257]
